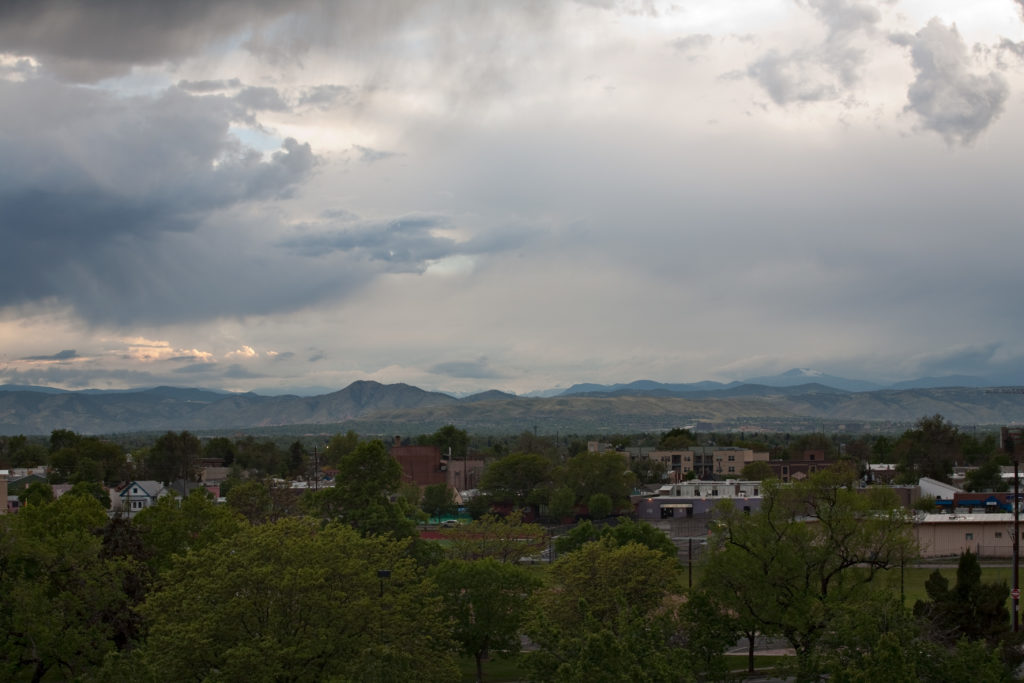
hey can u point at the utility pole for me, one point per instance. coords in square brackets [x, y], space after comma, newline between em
[1009, 445]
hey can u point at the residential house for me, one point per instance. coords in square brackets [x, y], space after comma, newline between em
[138, 495]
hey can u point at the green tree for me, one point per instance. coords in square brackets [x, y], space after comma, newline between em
[92, 489]
[174, 456]
[361, 496]
[36, 493]
[171, 527]
[676, 440]
[515, 478]
[251, 500]
[648, 470]
[608, 614]
[505, 539]
[339, 446]
[930, 449]
[759, 470]
[600, 505]
[561, 502]
[607, 473]
[486, 600]
[972, 609]
[450, 440]
[438, 500]
[805, 555]
[295, 600]
[59, 592]
[220, 447]
[987, 477]
[622, 532]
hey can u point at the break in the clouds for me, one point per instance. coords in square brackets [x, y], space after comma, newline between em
[468, 196]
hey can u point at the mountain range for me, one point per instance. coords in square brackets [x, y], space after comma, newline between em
[794, 401]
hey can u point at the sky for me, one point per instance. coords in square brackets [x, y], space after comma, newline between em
[289, 196]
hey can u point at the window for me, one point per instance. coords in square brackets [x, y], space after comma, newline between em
[732, 458]
[731, 468]
[714, 492]
[755, 492]
[968, 537]
[999, 534]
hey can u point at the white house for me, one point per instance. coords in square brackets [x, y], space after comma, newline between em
[138, 495]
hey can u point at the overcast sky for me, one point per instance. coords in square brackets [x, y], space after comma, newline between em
[513, 195]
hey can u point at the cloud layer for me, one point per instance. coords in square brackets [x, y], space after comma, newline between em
[469, 196]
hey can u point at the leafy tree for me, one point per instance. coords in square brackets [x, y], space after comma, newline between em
[59, 592]
[987, 477]
[92, 489]
[971, 609]
[220, 447]
[36, 493]
[561, 502]
[805, 555]
[296, 459]
[173, 456]
[505, 539]
[608, 614]
[676, 440]
[515, 478]
[170, 527]
[251, 500]
[295, 600]
[930, 449]
[18, 451]
[876, 639]
[438, 500]
[574, 539]
[361, 496]
[623, 532]
[607, 473]
[486, 600]
[708, 630]
[263, 456]
[600, 505]
[648, 470]
[758, 470]
[339, 446]
[449, 439]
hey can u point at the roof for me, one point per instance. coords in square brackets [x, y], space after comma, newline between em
[961, 518]
[149, 488]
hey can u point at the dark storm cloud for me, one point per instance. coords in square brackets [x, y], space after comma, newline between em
[92, 185]
[66, 354]
[236, 371]
[196, 369]
[75, 376]
[92, 40]
[476, 369]
[405, 244]
[950, 99]
[261, 99]
[323, 96]
[205, 87]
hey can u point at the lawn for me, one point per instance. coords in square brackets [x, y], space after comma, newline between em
[914, 579]
[495, 670]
